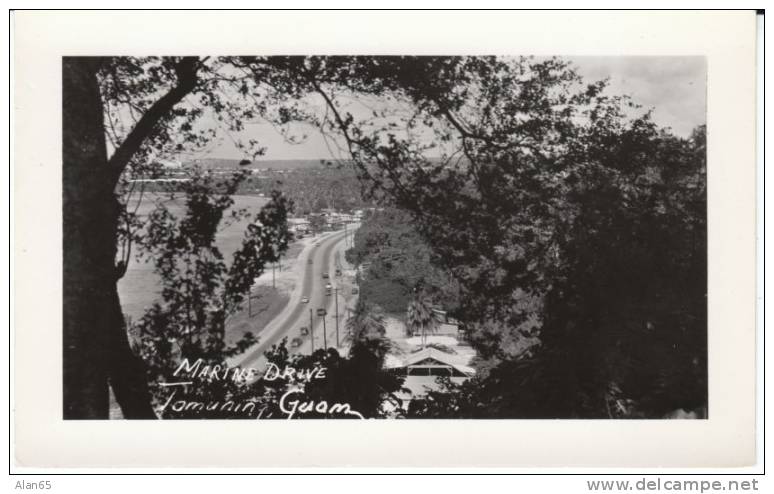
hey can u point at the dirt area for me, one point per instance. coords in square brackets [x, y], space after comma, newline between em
[283, 275]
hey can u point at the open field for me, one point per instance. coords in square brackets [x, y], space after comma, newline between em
[265, 302]
[264, 305]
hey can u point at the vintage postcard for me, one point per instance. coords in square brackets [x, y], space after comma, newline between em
[356, 239]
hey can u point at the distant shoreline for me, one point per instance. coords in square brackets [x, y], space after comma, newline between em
[278, 164]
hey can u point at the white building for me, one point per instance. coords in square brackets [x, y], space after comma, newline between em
[422, 369]
[298, 225]
[170, 164]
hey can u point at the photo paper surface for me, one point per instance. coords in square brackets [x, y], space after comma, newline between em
[507, 240]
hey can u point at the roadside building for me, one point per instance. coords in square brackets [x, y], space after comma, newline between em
[170, 164]
[299, 225]
[423, 367]
[335, 224]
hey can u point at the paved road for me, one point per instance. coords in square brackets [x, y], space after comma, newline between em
[289, 322]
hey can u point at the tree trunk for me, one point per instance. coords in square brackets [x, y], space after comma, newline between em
[95, 345]
[126, 370]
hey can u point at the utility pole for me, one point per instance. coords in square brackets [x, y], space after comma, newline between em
[336, 293]
[325, 334]
[273, 282]
[311, 328]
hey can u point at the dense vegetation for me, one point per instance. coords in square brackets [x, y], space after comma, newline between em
[560, 211]
[312, 189]
[396, 262]
[201, 289]
[573, 227]
[397, 267]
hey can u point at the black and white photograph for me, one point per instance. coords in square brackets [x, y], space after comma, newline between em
[520, 238]
[420, 237]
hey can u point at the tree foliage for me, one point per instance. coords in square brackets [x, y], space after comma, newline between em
[555, 191]
[522, 179]
[419, 317]
[396, 261]
[199, 289]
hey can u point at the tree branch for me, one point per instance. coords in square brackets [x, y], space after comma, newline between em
[185, 70]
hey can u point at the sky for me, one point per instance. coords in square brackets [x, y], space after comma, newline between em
[673, 87]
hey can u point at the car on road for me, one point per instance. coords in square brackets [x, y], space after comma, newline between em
[325, 275]
[328, 286]
[338, 272]
[304, 300]
[309, 261]
[355, 291]
[296, 342]
[304, 331]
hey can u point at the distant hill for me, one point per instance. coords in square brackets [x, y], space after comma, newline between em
[306, 164]
[213, 163]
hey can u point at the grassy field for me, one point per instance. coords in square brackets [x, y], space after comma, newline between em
[264, 305]
[140, 286]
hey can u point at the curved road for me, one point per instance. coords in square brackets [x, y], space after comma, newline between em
[296, 314]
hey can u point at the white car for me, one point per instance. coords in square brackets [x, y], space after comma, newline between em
[304, 300]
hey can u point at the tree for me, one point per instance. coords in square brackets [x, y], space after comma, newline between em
[99, 96]
[317, 223]
[199, 289]
[365, 323]
[398, 261]
[118, 115]
[95, 342]
[419, 317]
[367, 384]
[540, 178]
[550, 190]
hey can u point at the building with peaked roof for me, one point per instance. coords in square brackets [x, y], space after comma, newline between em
[423, 368]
